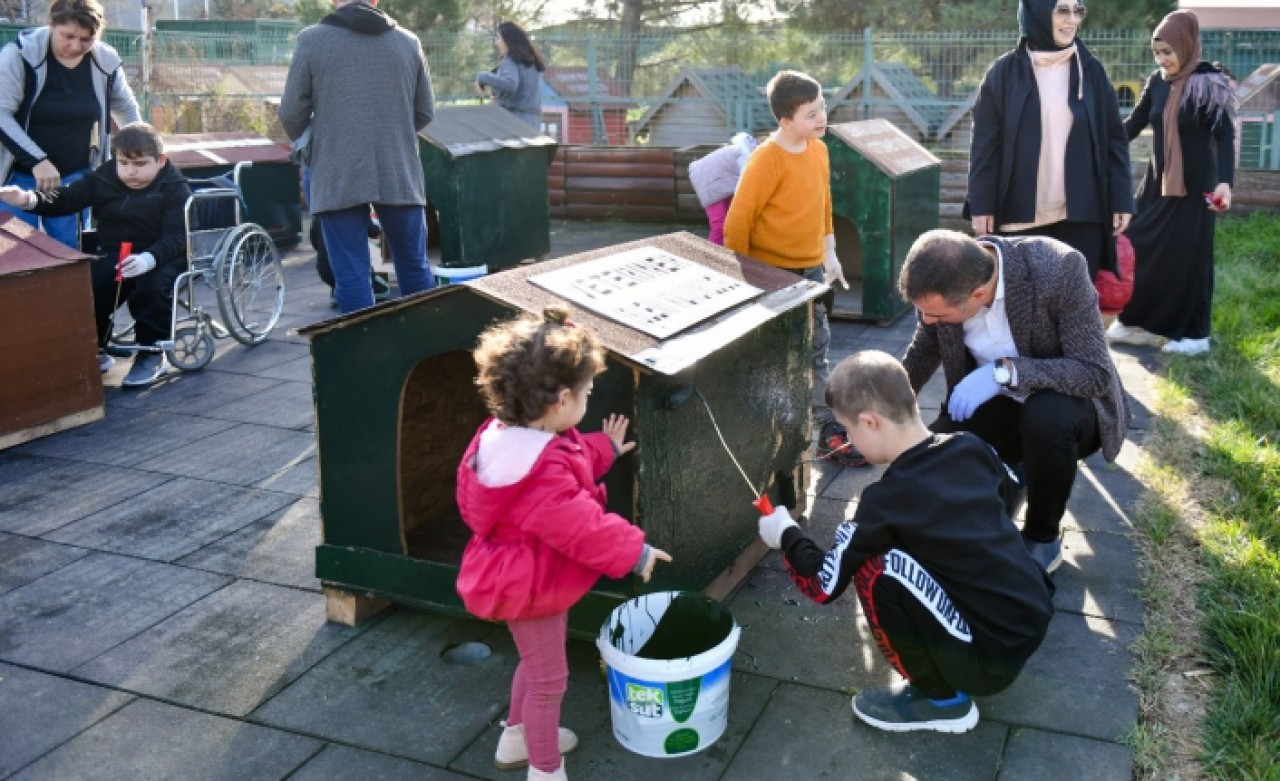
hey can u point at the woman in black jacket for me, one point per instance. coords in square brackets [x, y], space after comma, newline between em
[1049, 155]
[1191, 109]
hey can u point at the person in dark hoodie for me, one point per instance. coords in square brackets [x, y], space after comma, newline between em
[1049, 155]
[136, 197]
[360, 83]
[954, 602]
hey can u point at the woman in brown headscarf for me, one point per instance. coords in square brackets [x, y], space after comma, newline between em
[1191, 109]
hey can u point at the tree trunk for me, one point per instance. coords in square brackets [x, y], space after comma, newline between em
[632, 13]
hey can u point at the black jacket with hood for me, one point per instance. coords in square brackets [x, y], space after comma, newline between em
[150, 218]
[1005, 151]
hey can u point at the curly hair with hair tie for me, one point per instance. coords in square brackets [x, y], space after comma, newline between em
[523, 363]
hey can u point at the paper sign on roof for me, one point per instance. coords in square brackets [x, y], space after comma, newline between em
[648, 289]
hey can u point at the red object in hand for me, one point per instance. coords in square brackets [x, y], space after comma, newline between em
[126, 249]
[763, 505]
[1214, 200]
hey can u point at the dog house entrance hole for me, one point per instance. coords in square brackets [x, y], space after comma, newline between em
[849, 252]
[440, 411]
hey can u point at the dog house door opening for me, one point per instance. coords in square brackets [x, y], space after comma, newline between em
[440, 411]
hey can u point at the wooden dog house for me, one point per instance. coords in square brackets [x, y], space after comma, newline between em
[884, 194]
[47, 336]
[486, 176]
[396, 406]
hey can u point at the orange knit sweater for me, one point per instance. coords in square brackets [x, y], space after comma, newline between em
[781, 211]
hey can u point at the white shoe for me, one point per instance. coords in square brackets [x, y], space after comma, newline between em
[513, 754]
[537, 775]
[1125, 334]
[1187, 346]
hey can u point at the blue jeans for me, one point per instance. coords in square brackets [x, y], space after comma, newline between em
[346, 238]
[64, 229]
[818, 369]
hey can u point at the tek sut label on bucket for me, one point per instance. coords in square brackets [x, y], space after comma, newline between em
[668, 658]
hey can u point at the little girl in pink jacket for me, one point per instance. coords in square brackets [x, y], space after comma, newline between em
[528, 487]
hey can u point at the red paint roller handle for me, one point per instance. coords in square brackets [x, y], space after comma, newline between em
[763, 505]
[126, 249]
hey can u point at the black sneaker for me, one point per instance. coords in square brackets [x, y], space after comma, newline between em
[903, 708]
[834, 445]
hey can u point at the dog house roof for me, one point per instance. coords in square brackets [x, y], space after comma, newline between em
[783, 291]
[888, 148]
[23, 248]
[466, 130]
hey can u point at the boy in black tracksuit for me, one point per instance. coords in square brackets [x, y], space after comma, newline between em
[137, 197]
[954, 600]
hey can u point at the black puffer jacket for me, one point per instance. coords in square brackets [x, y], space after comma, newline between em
[150, 218]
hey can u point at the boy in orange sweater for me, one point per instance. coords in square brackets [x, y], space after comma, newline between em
[781, 215]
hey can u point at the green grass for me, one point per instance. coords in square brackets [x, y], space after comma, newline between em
[1237, 392]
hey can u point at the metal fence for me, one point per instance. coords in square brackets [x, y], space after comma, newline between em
[209, 82]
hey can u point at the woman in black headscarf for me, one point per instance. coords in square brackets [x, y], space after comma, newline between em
[1191, 109]
[1049, 155]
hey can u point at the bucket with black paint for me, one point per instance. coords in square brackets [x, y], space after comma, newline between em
[668, 657]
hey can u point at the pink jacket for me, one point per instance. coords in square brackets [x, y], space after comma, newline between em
[539, 544]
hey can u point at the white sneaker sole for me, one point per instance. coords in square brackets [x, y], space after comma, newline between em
[952, 726]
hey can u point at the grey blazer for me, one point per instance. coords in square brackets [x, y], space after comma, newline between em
[1053, 314]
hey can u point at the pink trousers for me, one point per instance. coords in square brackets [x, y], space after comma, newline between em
[716, 213]
[538, 686]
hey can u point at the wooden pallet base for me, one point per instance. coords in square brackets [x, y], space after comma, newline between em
[343, 607]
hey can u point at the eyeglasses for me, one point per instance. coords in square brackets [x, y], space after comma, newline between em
[1066, 11]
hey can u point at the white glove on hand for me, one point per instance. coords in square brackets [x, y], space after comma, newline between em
[773, 525]
[831, 270]
[137, 265]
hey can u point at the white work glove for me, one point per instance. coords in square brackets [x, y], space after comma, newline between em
[773, 525]
[831, 270]
[137, 265]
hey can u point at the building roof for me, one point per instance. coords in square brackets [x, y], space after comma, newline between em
[1256, 82]
[196, 150]
[905, 91]
[467, 130]
[728, 88]
[24, 248]
[783, 291]
[957, 114]
[572, 85]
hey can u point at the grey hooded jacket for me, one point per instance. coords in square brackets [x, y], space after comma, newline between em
[360, 82]
[23, 71]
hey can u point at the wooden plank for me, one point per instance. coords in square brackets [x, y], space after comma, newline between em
[607, 184]
[51, 427]
[625, 170]
[617, 156]
[621, 198]
[349, 609]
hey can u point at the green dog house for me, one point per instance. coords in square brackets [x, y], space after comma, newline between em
[884, 194]
[396, 406]
[486, 174]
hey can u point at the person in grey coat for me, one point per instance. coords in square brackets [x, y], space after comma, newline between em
[1014, 324]
[360, 82]
[517, 81]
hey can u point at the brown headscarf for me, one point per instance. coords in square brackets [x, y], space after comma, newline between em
[1181, 30]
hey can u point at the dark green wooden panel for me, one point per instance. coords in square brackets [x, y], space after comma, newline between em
[493, 206]
[360, 372]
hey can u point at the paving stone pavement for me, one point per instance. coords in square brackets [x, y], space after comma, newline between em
[160, 617]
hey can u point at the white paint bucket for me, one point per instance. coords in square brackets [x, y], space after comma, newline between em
[453, 276]
[663, 706]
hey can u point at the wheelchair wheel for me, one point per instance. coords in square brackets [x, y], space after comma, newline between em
[250, 283]
[192, 348]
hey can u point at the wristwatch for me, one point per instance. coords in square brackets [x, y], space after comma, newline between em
[1002, 372]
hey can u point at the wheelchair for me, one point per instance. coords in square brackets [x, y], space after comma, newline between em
[236, 260]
